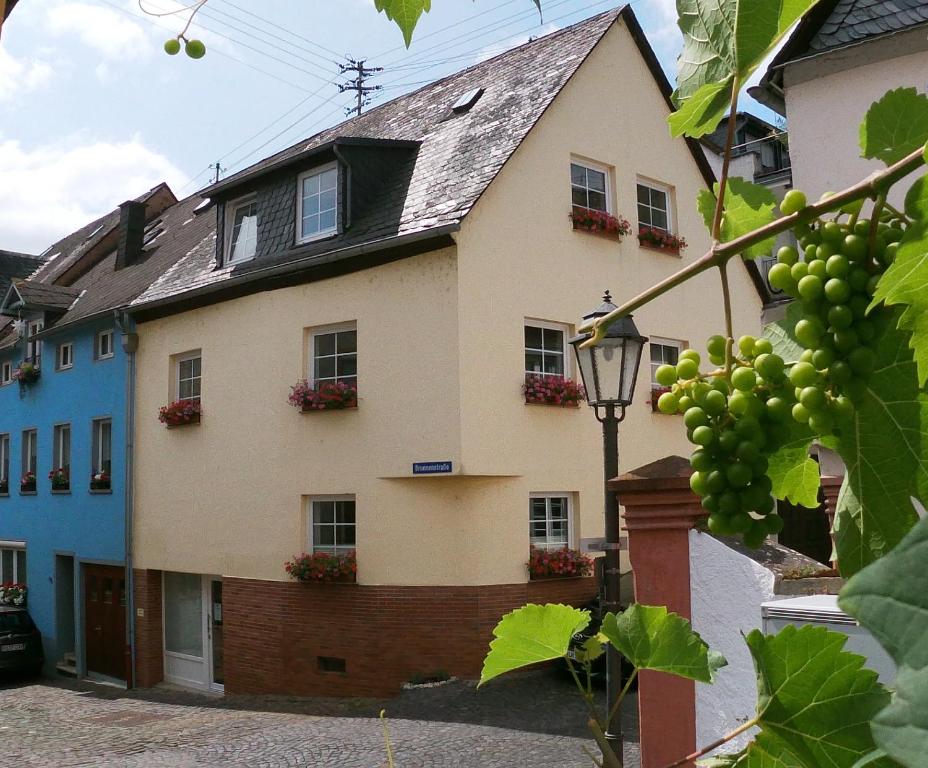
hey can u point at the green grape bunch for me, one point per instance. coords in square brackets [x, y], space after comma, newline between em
[742, 412]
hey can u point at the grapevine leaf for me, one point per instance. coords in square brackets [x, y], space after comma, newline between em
[734, 760]
[815, 700]
[906, 280]
[885, 449]
[890, 598]
[747, 207]
[871, 760]
[651, 637]
[782, 333]
[794, 474]
[405, 13]
[531, 634]
[895, 126]
[723, 39]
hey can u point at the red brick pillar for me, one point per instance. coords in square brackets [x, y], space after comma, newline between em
[659, 510]
[831, 487]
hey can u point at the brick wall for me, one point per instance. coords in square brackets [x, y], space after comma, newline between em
[149, 645]
[275, 632]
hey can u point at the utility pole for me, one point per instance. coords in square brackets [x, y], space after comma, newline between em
[361, 74]
[218, 170]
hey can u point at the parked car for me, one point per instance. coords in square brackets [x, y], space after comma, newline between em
[20, 642]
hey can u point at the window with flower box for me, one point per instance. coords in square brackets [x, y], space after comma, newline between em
[550, 520]
[654, 206]
[29, 464]
[12, 562]
[335, 355]
[332, 524]
[188, 369]
[33, 344]
[589, 186]
[4, 464]
[61, 458]
[102, 458]
[546, 349]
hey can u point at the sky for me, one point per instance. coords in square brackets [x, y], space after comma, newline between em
[93, 112]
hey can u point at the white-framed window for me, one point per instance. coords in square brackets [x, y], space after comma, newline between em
[241, 230]
[5, 463]
[30, 451]
[61, 450]
[317, 203]
[6, 373]
[12, 562]
[334, 354]
[64, 356]
[589, 186]
[33, 345]
[102, 446]
[663, 352]
[332, 524]
[546, 349]
[655, 206]
[188, 375]
[103, 345]
[550, 520]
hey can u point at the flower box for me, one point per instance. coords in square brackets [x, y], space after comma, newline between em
[552, 390]
[656, 393]
[27, 483]
[60, 480]
[27, 373]
[599, 222]
[180, 413]
[12, 593]
[327, 396]
[100, 481]
[323, 567]
[658, 239]
[563, 563]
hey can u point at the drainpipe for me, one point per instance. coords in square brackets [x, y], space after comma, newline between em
[130, 343]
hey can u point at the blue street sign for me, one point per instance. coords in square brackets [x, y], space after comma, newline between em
[431, 467]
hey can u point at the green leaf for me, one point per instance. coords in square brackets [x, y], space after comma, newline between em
[405, 13]
[531, 634]
[651, 637]
[884, 447]
[747, 207]
[895, 126]
[722, 39]
[890, 598]
[794, 474]
[782, 333]
[815, 700]
[906, 280]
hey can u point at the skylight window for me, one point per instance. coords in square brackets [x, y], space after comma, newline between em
[467, 101]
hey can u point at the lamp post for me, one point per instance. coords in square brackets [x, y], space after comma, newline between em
[609, 371]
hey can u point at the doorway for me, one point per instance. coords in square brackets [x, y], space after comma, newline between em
[65, 635]
[193, 632]
[105, 620]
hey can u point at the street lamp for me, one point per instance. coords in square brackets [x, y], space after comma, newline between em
[609, 370]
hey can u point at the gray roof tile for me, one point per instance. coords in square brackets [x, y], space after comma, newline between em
[857, 20]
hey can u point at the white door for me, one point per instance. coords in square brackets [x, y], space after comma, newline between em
[192, 616]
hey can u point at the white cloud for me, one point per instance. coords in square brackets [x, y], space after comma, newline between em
[21, 76]
[108, 32]
[51, 190]
[665, 33]
[513, 42]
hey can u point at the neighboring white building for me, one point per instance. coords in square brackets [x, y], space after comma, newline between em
[840, 59]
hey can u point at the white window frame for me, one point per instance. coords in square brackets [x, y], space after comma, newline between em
[325, 331]
[96, 445]
[58, 445]
[6, 373]
[5, 459]
[13, 547]
[310, 523]
[663, 342]
[98, 344]
[658, 187]
[548, 495]
[592, 165]
[30, 436]
[59, 355]
[231, 209]
[33, 345]
[547, 325]
[299, 204]
[183, 358]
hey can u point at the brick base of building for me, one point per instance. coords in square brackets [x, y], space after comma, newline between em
[291, 639]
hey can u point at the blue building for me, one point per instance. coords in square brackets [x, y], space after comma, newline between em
[66, 356]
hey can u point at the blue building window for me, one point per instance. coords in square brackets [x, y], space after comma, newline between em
[30, 458]
[102, 462]
[4, 464]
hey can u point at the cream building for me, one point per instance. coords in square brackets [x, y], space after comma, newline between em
[427, 246]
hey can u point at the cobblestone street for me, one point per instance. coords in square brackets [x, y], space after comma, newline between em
[535, 719]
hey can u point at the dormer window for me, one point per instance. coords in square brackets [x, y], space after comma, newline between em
[317, 204]
[242, 230]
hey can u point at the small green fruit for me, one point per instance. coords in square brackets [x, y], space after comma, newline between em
[195, 49]
[172, 46]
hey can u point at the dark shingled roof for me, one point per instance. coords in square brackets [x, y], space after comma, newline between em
[15, 265]
[45, 296]
[852, 21]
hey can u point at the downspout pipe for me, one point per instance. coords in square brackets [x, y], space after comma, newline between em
[130, 343]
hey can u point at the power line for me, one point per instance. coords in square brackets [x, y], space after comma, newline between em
[362, 74]
[283, 29]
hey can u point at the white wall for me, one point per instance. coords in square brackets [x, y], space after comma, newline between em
[727, 590]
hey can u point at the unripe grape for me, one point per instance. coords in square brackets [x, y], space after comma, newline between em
[755, 536]
[740, 522]
[824, 252]
[893, 235]
[685, 403]
[687, 368]
[832, 232]
[728, 503]
[889, 254]
[746, 345]
[690, 354]
[698, 484]
[717, 359]
[818, 269]
[812, 398]
[855, 246]
[695, 417]
[843, 407]
[769, 366]
[810, 252]
[858, 279]
[762, 347]
[793, 202]
[845, 339]
[800, 413]
[820, 423]
[668, 403]
[778, 408]
[837, 266]
[729, 441]
[836, 291]
[195, 49]
[740, 403]
[862, 228]
[710, 503]
[738, 475]
[787, 255]
[703, 436]
[716, 345]
[822, 358]
[702, 461]
[810, 287]
[716, 482]
[799, 270]
[718, 525]
[666, 375]
[773, 524]
[743, 379]
[840, 316]
[747, 452]
[808, 331]
[767, 505]
[715, 402]
[748, 427]
[172, 46]
[781, 278]
[840, 372]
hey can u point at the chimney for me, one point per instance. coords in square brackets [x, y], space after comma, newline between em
[131, 233]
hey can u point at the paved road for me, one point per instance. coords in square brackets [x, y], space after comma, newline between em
[532, 720]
